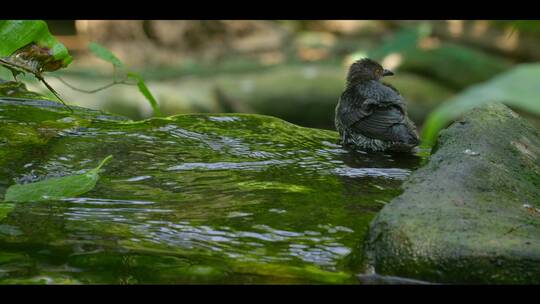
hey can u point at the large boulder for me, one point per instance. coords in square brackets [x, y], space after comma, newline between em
[472, 214]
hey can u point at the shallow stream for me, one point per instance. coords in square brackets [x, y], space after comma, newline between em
[227, 198]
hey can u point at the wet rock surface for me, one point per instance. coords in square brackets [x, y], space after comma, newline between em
[472, 214]
[207, 198]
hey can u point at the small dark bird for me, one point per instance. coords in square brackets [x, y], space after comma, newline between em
[372, 115]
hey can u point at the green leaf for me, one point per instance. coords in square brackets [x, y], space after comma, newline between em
[146, 93]
[517, 87]
[106, 55]
[15, 34]
[55, 188]
[102, 53]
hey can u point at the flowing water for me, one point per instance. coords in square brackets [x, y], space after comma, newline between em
[207, 198]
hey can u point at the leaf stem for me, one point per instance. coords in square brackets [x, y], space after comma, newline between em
[103, 162]
[115, 82]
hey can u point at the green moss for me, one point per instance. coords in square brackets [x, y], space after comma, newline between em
[461, 217]
[16, 89]
[199, 198]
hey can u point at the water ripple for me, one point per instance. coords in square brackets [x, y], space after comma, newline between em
[393, 173]
[257, 165]
[317, 247]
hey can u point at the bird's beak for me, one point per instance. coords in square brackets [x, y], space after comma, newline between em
[387, 72]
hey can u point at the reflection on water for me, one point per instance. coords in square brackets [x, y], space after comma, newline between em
[199, 198]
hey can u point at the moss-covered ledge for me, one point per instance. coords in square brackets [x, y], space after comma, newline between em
[472, 214]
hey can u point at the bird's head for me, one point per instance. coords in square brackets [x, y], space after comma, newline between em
[366, 69]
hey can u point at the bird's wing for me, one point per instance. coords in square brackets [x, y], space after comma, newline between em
[351, 109]
[382, 93]
[384, 124]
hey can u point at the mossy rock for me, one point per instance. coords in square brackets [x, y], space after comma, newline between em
[18, 90]
[240, 198]
[308, 95]
[27, 125]
[454, 65]
[304, 94]
[472, 214]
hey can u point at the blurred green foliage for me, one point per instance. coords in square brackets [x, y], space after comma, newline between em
[484, 77]
[517, 88]
[453, 65]
[525, 26]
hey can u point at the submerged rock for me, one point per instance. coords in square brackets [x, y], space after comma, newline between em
[471, 215]
[219, 198]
